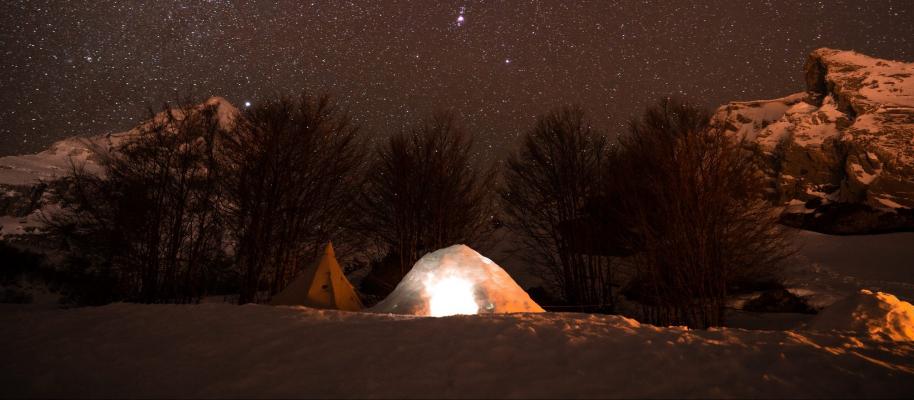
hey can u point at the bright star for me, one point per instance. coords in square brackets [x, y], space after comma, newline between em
[460, 17]
[247, 104]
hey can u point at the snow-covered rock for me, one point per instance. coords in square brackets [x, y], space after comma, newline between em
[841, 155]
[880, 316]
[456, 280]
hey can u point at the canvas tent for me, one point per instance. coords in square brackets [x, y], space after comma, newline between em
[322, 285]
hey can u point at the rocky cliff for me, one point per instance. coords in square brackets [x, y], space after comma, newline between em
[840, 156]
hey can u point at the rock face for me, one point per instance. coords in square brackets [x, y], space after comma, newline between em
[840, 156]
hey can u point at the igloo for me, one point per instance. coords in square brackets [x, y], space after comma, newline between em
[456, 280]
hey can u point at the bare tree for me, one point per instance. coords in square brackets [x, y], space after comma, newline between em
[291, 171]
[147, 224]
[425, 190]
[693, 199]
[547, 186]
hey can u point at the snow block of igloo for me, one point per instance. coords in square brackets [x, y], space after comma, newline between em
[456, 280]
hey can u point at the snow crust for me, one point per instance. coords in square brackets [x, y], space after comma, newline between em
[456, 280]
[880, 316]
[220, 350]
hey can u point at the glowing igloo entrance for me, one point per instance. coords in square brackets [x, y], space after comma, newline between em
[456, 280]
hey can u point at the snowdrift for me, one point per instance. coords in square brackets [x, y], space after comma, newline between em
[880, 316]
[256, 351]
[456, 280]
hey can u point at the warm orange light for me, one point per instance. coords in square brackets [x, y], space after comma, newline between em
[451, 296]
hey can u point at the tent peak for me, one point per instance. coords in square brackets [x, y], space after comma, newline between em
[329, 249]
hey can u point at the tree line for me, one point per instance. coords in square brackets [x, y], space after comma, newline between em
[192, 204]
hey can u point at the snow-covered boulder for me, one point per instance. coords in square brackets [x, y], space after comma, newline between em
[456, 280]
[840, 155]
[880, 316]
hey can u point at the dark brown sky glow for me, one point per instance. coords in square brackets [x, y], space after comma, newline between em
[84, 67]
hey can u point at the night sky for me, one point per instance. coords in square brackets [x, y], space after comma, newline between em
[88, 67]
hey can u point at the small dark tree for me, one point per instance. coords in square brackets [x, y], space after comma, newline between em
[693, 198]
[291, 171]
[424, 191]
[145, 228]
[547, 186]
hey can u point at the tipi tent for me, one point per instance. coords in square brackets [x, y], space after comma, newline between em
[322, 285]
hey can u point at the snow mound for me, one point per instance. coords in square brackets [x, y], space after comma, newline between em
[456, 280]
[880, 316]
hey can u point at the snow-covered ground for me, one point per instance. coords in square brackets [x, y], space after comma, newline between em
[220, 350]
[831, 267]
[828, 268]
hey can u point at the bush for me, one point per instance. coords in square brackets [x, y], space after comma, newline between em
[17, 262]
[291, 174]
[778, 300]
[693, 200]
[146, 229]
[424, 191]
[548, 182]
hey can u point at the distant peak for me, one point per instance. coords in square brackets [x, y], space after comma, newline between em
[217, 100]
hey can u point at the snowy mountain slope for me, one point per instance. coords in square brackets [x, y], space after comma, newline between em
[56, 161]
[841, 155]
[26, 179]
[217, 350]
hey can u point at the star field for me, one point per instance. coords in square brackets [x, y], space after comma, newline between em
[88, 67]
